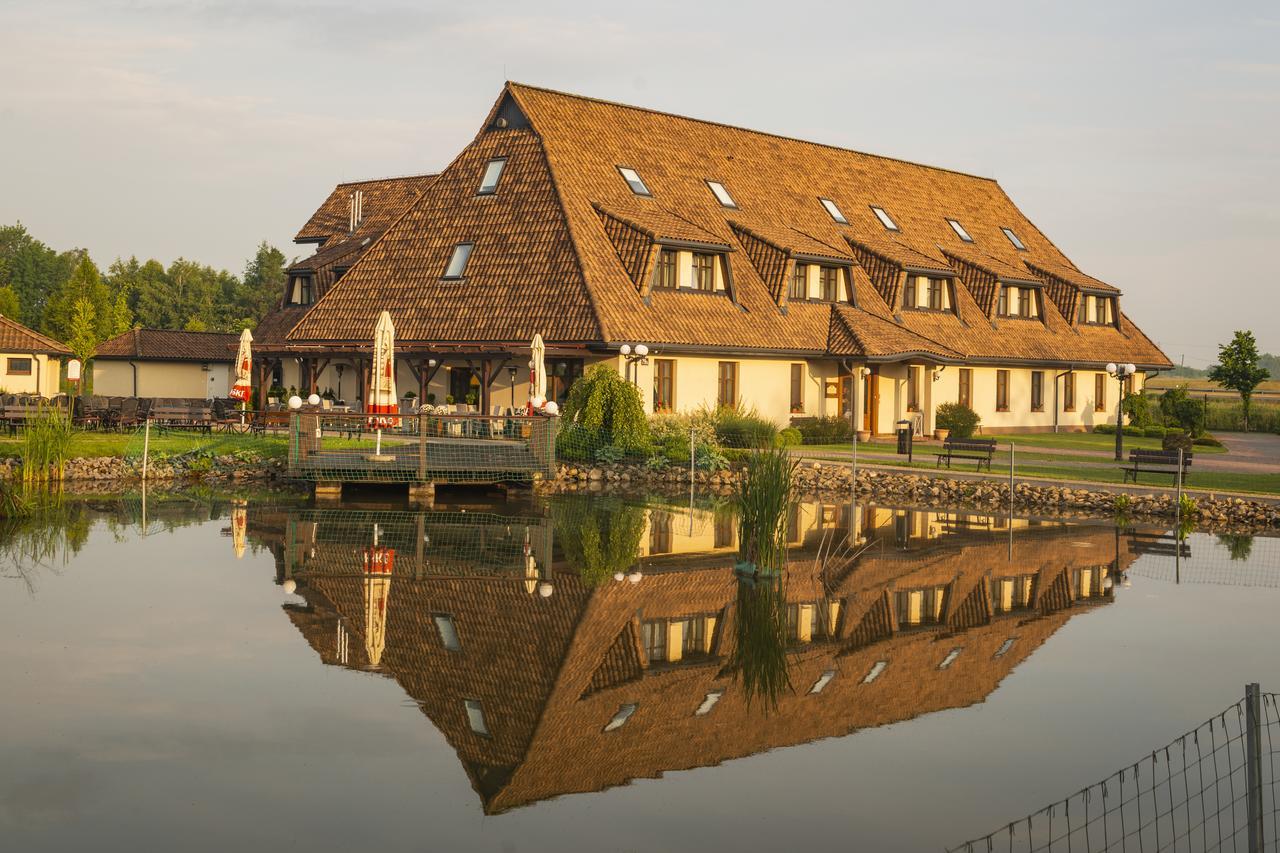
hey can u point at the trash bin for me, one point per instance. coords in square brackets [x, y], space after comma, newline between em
[904, 436]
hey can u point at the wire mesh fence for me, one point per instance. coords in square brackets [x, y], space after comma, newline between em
[1212, 789]
[420, 448]
[1225, 559]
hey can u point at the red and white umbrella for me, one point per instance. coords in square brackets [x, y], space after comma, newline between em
[383, 407]
[243, 387]
[379, 563]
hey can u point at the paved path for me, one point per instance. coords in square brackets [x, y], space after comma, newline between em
[1248, 452]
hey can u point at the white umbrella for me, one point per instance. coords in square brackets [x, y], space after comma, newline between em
[243, 388]
[538, 375]
[382, 406]
[239, 524]
[379, 563]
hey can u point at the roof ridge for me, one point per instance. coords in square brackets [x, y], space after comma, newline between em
[387, 178]
[510, 84]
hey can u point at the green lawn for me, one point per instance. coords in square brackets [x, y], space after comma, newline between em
[86, 444]
[1082, 442]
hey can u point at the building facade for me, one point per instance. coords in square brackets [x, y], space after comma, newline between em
[760, 271]
[31, 362]
[165, 363]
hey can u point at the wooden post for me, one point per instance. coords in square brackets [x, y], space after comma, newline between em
[422, 447]
[362, 382]
[486, 379]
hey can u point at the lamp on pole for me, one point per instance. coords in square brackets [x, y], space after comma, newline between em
[1121, 372]
[511, 372]
[634, 355]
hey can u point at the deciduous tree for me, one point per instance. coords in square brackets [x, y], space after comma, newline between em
[1238, 368]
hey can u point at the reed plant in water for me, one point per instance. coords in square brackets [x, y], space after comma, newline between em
[764, 504]
[46, 442]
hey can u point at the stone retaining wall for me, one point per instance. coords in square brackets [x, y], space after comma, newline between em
[819, 479]
[116, 469]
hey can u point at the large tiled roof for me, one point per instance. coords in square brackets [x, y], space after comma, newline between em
[15, 337]
[170, 345]
[563, 245]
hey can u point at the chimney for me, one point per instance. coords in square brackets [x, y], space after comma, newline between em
[357, 211]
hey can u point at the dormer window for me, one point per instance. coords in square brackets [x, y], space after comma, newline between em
[664, 271]
[1013, 238]
[959, 229]
[492, 174]
[834, 211]
[1015, 301]
[925, 293]
[678, 269]
[633, 180]
[721, 194]
[799, 287]
[818, 282]
[302, 292]
[884, 218]
[1096, 310]
[457, 267]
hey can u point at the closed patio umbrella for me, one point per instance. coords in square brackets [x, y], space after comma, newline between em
[242, 390]
[239, 522]
[378, 565]
[538, 375]
[382, 407]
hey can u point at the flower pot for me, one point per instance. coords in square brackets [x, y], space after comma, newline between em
[941, 434]
[864, 436]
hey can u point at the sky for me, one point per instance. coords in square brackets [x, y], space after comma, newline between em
[1141, 137]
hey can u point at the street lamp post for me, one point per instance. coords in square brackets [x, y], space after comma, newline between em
[1120, 372]
[635, 356]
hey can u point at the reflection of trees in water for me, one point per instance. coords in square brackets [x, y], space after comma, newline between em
[1239, 545]
[599, 534]
[53, 526]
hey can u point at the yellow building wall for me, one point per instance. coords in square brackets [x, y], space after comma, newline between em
[114, 378]
[43, 379]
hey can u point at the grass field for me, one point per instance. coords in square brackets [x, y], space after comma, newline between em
[1084, 442]
[88, 444]
[1163, 383]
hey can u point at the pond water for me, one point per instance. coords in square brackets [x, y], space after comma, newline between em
[215, 674]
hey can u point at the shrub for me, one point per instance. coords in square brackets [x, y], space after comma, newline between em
[961, 420]
[1136, 432]
[790, 437]
[1206, 441]
[1178, 409]
[742, 428]
[1105, 429]
[599, 534]
[1154, 432]
[1138, 409]
[1176, 440]
[607, 409]
[827, 430]
[610, 454]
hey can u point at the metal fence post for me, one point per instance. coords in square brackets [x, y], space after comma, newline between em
[692, 463]
[1253, 764]
[1177, 507]
[146, 448]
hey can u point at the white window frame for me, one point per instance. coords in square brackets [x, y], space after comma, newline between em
[457, 267]
[885, 219]
[633, 179]
[722, 194]
[833, 210]
[487, 188]
[1013, 238]
[959, 229]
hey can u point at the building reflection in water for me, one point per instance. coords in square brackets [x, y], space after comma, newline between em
[588, 643]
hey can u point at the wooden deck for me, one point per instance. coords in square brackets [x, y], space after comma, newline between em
[423, 449]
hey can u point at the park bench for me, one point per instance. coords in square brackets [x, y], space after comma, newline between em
[1155, 462]
[182, 416]
[979, 450]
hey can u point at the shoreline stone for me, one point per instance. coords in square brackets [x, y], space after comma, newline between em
[825, 480]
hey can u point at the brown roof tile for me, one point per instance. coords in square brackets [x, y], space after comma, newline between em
[383, 199]
[15, 337]
[171, 345]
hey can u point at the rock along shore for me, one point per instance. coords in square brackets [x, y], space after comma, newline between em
[819, 480]
[99, 469]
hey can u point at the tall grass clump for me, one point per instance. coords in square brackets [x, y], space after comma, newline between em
[764, 503]
[46, 442]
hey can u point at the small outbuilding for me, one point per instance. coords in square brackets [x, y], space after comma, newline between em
[165, 363]
[31, 362]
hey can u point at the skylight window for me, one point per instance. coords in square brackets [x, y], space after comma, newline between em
[721, 194]
[823, 681]
[492, 174]
[1004, 647]
[708, 703]
[951, 657]
[458, 260]
[834, 211]
[475, 716]
[884, 218]
[448, 632]
[620, 719]
[633, 180]
[875, 671]
[960, 232]
[1013, 238]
